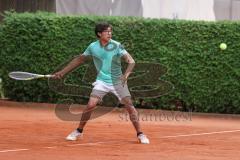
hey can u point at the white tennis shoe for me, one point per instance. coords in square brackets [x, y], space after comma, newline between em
[74, 135]
[143, 139]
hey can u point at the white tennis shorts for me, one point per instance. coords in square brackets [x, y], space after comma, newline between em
[100, 89]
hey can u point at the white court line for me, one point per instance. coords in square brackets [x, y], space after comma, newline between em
[14, 150]
[84, 144]
[50, 147]
[201, 134]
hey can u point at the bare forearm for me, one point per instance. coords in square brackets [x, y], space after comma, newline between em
[131, 63]
[129, 69]
[72, 65]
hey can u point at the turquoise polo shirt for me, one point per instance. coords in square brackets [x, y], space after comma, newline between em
[107, 60]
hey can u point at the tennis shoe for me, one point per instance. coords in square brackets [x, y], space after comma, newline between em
[143, 139]
[74, 135]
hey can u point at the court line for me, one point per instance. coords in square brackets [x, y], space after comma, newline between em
[13, 150]
[200, 134]
[82, 144]
[52, 147]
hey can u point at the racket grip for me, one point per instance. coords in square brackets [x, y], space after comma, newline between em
[48, 76]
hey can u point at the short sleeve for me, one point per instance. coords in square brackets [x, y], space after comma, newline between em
[87, 52]
[121, 50]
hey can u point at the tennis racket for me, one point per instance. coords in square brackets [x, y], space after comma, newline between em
[27, 76]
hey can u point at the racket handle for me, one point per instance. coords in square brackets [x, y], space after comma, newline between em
[48, 76]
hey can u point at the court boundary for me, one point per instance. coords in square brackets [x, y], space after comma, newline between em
[97, 143]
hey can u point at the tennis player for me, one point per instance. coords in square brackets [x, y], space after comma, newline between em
[106, 54]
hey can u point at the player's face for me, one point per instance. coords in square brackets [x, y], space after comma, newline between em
[106, 35]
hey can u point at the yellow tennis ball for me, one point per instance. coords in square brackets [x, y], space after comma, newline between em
[223, 46]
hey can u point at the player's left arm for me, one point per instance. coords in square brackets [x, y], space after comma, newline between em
[131, 63]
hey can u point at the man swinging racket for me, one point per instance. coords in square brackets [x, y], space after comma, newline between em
[106, 54]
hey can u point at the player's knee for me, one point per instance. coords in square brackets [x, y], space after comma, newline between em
[129, 105]
[91, 106]
[127, 102]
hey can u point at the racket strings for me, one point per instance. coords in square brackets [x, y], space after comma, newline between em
[22, 75]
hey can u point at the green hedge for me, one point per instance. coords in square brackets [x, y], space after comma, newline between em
[205, 77]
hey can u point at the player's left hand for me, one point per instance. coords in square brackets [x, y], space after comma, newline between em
[123, 79]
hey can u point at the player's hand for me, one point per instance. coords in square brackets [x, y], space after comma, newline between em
[123, 79]
[58, 75]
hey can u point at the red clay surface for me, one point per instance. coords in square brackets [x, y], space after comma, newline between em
[33, 131]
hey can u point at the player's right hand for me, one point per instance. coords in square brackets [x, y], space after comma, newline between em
[58, 75]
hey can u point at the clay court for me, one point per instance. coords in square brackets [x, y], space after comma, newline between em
[33, 131]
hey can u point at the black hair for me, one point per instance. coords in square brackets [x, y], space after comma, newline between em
[101, 26]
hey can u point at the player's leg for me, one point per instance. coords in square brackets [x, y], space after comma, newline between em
[97, 94]
[124, 96]
[133, 114]
[86, 114]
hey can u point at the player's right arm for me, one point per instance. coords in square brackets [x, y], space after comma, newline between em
[77, 61]
[74, 63]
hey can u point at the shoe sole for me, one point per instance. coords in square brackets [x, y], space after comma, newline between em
[143, 143]
[79, 137]
[71, 139]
